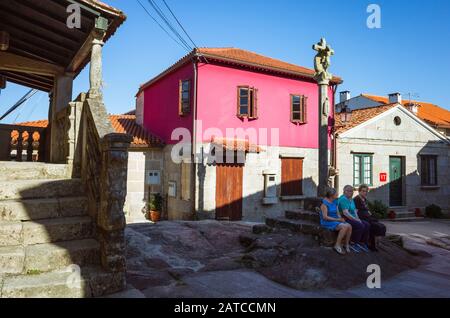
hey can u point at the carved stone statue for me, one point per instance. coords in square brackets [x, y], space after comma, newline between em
[322, 61]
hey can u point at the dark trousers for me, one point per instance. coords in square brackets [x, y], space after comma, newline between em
[376, 228]
[360, 231]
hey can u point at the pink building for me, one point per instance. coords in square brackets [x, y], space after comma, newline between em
[263, 109]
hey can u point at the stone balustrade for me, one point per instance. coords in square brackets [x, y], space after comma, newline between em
[22, 143]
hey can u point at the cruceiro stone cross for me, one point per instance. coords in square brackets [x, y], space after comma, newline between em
[323, 77]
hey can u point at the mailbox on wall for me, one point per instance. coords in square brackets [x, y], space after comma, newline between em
[270, 187]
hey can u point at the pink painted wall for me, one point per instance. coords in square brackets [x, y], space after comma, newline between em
[161, 104]
[217, 104]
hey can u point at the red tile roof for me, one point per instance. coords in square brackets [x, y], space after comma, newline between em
[360, 116]
[121, 124]
[236, 144]
[241, 57]
[432, 114]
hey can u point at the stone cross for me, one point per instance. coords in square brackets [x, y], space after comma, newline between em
[322, 61]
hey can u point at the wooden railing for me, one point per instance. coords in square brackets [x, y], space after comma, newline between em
[22, 143]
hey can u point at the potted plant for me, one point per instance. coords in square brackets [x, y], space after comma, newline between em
[154, 208]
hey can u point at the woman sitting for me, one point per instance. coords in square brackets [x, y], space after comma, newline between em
[332, 220]
[360, 228]
[377, 229]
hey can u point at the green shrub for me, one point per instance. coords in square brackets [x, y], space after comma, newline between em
[433, 211]
[378, 209]
[155, 203]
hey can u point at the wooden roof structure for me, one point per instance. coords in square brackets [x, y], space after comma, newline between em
[41, 45]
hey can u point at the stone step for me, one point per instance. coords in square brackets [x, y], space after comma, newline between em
[40, 189]
[73, 283]
[14, 170]
[303, 215]
[404, 214]
[325, 237]
[37, 209]
[48, 257]
[45, 231]
[407, 219]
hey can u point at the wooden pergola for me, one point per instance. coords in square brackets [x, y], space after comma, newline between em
[42, 48]
[41, 45]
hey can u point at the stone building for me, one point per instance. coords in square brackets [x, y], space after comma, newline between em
[404, 160]
[435, 116]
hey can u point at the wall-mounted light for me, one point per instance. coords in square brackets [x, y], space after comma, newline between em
[4, 40]
[346, 114]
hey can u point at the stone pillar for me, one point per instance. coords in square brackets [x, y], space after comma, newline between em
[324, 107]
[113, 190]
[323, 77]
[60, 99]
[95, 71]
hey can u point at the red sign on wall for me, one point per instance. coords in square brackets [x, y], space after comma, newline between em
[383, 177]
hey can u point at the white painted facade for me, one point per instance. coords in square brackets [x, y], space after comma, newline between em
[381, 137]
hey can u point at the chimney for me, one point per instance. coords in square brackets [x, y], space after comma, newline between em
[395, 98]
[344, 96]
[413, 108]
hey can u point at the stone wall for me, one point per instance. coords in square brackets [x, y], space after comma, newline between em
[140, 163]
[177, 209]
[253, 183]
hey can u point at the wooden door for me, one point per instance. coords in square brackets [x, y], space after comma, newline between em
[395, 181]
[291, 176]
[229, 192]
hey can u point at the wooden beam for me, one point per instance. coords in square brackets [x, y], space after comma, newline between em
[13, 62]
[44, 81]
[23, 83]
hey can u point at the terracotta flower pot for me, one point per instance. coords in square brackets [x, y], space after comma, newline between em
[418, 212]
[155, 216]
[392, 215]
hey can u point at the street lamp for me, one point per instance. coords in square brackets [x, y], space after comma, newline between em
[346, 114]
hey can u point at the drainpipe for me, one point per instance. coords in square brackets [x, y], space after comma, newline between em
[194, 129]
[334, 144]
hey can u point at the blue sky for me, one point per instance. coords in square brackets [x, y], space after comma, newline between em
[409, 54]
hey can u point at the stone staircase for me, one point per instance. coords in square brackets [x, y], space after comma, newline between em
[47, 239]
[306, 221]
[402, 214]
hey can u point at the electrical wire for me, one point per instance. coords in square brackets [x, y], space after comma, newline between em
[179, 23]
[167, 22]
[156, 21]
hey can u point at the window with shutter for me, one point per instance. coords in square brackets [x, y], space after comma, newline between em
[362, 169]
[247, 102]
[291, 176]
[184, 107]
[298, 108]
[428, 170]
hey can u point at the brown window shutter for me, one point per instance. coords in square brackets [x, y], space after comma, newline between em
[304, 108]
[255, 103]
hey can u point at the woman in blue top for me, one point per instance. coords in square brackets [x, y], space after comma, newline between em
[332, 220]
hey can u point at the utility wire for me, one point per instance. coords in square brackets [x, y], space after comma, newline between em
[20, 102]
[167, 22]
[156, 21]
[179, 23]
